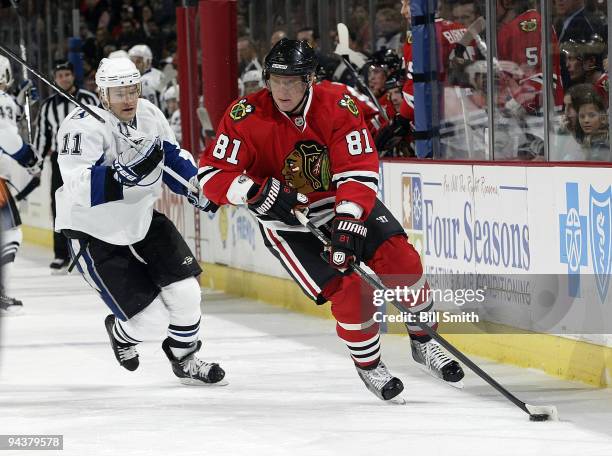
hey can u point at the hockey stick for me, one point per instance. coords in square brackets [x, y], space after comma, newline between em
[91, 112]
[535, 412]
[344, 51]
[22, 49]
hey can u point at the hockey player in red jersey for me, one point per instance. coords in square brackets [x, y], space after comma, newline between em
[297, 145]
[448, 35]
[519, 36]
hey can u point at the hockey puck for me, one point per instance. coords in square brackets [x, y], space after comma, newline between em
[539, 417]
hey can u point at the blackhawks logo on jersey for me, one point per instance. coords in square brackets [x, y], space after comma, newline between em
[529, 26]
[307, 169]
[348, 103]
[241, 110]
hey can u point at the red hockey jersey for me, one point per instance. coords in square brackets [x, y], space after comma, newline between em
[328, 154]
[519, 41]
[448, 34]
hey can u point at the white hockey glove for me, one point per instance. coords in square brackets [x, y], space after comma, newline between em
[197, 199]
[133, 165]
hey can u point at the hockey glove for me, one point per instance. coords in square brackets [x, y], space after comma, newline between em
[276, 200]
[348, 237]
[141, 165]
[198, 199]
[27, 88]
[397, 129]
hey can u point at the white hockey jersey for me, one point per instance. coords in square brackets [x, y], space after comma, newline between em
[175, 124]
[152, 81]
[92, 202]
[12, 147]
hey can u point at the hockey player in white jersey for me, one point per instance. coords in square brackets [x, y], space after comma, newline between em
[152, 79]
[173, 113]
[12, 151]
[132, 255]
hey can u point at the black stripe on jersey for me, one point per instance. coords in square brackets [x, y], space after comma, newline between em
[369, 180]
[206, 170]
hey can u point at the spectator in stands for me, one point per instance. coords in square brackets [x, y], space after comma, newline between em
[566, 146]
[575, 23]
[465, 12]
[130, 35]
[276, 37]
[388, 29]
[592, 127]
[309, 34]
[584, 62]
[247, 56]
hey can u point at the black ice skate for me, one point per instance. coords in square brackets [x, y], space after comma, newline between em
[437, 363]
[191, 369]
[126, 354]
[379, 380]
[59, 266]
[9, 306]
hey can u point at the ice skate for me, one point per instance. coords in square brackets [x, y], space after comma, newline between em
[59, 266]
[436, 362]
[379, 380]
[192, 370]
[126, 354]
[10, 306]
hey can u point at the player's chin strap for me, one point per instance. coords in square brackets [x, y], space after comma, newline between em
[299, 108]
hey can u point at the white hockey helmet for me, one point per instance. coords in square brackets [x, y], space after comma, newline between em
[119, 54]
[171, 93]
[143, 51]
[116, 72]
[6, 74]
[253, 76]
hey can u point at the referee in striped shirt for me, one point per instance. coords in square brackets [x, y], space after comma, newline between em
[50, 116]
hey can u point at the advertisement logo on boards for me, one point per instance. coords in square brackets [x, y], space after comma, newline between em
[600, 214]
[412, 209]
[577, 231]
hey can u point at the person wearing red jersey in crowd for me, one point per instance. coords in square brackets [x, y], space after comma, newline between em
[584, 61]
[448, 35]
[370, 112]
[519, 38]
[297, 145]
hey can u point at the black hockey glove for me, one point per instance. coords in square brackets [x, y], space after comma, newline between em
[276, 200]
[141, 165]
[397, 129]
[348, 237]
[198, 199]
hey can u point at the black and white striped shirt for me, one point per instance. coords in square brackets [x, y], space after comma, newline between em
[51, 115]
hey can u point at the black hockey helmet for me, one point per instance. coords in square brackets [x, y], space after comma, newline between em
[290, 58]
[387, 59]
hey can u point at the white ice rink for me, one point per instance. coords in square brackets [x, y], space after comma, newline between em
[292, 389]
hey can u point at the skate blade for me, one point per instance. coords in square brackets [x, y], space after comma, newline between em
[193, 382]
[397, 400]
[458, 385]
[12, 312]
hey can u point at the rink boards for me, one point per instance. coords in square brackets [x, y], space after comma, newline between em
[466, 219]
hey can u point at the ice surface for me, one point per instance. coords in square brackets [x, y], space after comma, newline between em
[292, 389]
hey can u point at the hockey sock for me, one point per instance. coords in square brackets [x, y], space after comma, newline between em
[121, 335]
[183, 339]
